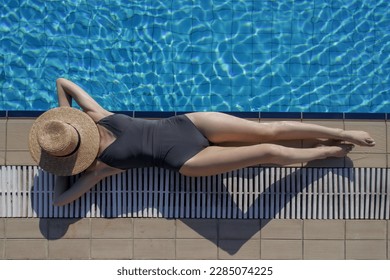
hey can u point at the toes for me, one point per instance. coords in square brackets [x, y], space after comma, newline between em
[349, 148]
[370, 142]
[360, 138]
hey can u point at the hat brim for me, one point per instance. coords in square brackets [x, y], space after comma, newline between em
[78, 161]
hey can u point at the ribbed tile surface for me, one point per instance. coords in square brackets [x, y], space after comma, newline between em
[251, 193]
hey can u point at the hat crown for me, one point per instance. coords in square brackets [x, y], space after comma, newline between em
[58, 138]
[64, 141]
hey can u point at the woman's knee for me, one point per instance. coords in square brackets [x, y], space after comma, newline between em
[275, 154]
[277, 128]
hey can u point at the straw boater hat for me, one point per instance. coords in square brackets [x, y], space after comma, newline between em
[64, 141]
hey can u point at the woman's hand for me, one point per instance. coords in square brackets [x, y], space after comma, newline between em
[61, 185]
[65, 193]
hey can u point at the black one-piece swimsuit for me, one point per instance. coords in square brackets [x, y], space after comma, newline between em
[166, 143]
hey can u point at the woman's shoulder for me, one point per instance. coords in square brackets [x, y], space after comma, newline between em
[111, 116]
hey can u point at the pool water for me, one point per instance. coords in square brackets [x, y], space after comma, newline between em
[199, 55]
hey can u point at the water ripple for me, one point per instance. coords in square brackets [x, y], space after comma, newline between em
[218, 55]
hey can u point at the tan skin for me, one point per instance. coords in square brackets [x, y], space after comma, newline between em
[222, 130]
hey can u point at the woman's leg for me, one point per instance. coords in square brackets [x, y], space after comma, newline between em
[221, 128]
[215, 159]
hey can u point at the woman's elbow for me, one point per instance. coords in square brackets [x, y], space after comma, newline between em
[61, 80]
[57, 202]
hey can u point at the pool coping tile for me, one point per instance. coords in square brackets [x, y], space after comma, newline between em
[241, 114]
[366, 249]
[324, 229]
[116, 228]
[321, 116]
[283, 115]
[2, 227]
[24, 114]
[365, 116]
[153, 114]
[197, 228]
[76, 249]
[198, 249]
[366, 229]
[154, 249]
[239, 250]
[111, 248]
[285, 249]
[323, 249]
[25, 249]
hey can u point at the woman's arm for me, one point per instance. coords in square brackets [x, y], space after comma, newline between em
[64, 193]
[67, 90]
[60, 186]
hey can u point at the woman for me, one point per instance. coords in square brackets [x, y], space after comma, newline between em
[126, 142]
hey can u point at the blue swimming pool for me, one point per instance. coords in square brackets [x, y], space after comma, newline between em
[198, 55]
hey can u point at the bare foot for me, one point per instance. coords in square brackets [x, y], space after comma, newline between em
[357, 137]
[338, 150]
